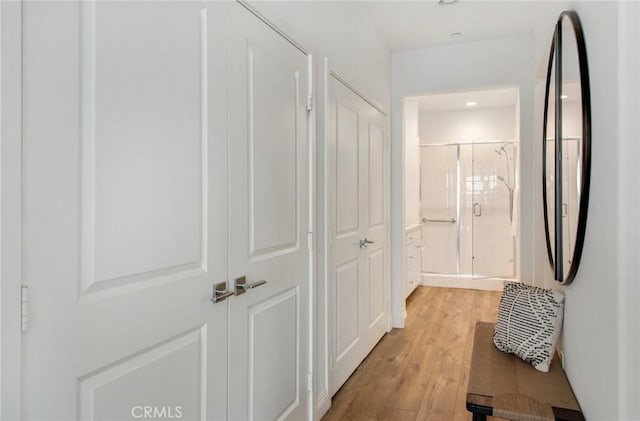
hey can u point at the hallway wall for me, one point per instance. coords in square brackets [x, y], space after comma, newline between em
[600, 338]
[468, 125]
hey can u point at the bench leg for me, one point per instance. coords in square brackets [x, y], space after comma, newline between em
[479, 417]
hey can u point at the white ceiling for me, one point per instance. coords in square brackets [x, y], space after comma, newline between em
[407, 25]
[503, 97]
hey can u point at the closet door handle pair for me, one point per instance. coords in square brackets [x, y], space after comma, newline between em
[221, 293]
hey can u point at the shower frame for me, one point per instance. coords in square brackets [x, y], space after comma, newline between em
[459, 200]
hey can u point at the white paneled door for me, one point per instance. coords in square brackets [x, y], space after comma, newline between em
[357, 156]
[164, 151]
[269, 202]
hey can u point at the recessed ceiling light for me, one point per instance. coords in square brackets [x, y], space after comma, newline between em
[564, 96]
[446, 2]
[471, 104]
[455, 34]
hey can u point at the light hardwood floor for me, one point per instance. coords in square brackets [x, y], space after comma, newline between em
[419, 372]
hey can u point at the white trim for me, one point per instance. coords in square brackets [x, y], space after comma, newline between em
[322, 406]
[357, 92]
[463, 281]
[10, 207]
[322, 252]
[311, 236]
[273, 26]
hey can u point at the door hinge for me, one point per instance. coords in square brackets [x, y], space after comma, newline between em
[24, 311]
[309, 102]
[309, 382]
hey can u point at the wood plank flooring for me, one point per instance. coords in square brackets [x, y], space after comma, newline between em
[419, 372]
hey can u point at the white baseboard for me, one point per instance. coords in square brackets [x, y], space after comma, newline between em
[462, 281]
[322, 406]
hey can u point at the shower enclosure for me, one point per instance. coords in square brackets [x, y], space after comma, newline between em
[468, 211]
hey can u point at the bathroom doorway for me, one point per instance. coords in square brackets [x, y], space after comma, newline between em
[465, 147]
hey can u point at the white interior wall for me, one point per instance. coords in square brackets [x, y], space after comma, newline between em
[468, 125]
[628, 221]
[601, 332]
[461, 67]
[412, 163]
[340, 35]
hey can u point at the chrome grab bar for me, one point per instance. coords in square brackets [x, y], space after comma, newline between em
[449, 221]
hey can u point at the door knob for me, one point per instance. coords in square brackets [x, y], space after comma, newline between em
[220, 292]
[243, 286]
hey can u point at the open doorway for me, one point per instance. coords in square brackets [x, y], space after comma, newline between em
[461, 188]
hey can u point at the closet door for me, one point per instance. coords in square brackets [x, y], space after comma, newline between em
[357, 155]
[124, 200]
[269, 214]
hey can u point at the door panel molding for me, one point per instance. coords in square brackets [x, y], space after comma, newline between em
[110, 140]
[347, 191]
[274, 197]
[376, 261]
[347, 304]
[91, 384]
[283, 369]
[376, 176]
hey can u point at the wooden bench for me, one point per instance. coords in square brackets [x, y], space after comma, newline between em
[504, 386]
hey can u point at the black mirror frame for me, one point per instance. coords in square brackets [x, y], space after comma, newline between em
[556, 53]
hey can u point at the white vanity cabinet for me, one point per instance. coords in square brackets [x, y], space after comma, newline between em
[414, 249]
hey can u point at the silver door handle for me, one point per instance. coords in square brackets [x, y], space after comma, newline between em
[448, 221]
[220, 292]
[477, 209]
[243, 286]
[365, 242]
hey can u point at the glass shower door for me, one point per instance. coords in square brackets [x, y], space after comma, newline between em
[439, 190]
[492, 186]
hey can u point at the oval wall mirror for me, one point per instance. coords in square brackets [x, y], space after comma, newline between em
[566, 150]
